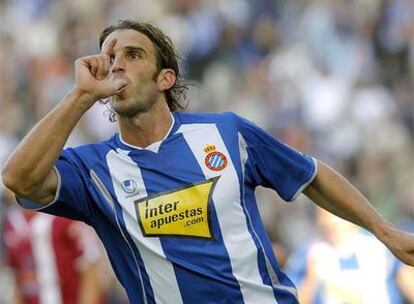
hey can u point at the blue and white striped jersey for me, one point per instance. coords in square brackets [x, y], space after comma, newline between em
[179, 219]
[359, 270]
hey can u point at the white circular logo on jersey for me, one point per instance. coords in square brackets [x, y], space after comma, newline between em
[129, 186]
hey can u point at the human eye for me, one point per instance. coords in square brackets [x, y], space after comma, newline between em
[133, 55]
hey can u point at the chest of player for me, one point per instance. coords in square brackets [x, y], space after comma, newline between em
[174, 193]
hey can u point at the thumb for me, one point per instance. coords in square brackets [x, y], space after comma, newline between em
[118, 85]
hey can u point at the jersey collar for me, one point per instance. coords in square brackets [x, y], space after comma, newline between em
[154, 147]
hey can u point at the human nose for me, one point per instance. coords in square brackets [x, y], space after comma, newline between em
[117, 64]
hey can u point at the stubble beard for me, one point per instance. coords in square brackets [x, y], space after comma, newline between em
[142, 103]
[135, 106]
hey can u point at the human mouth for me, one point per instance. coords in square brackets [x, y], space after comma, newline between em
[122, 88]
[119, 85]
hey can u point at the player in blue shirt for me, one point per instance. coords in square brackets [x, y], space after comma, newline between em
[345, 264]
[172, 195]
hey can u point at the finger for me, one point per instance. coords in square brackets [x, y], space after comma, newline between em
[100, 72]
[107, 49]
[118, 85]
[107, 64]
[111, 88]
[93, 62]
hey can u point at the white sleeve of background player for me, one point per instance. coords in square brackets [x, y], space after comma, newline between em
[87, 243]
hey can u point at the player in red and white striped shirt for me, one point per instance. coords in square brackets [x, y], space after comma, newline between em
[54, 259]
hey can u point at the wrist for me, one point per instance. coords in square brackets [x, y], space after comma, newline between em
[383, 231]
[81, 98]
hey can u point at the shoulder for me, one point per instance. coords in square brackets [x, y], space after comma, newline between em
[225, 118]
[91, 153]
[96, 148]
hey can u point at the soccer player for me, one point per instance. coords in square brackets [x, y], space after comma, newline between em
[172, 195]
[54, 260]
[348, 265]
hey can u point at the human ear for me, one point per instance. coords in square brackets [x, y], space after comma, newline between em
[166, 79]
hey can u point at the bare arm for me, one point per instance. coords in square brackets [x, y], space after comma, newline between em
[310, 284]
[29, 170]
[17, 295]
[334, 193]
[90, 290]
[405, 280]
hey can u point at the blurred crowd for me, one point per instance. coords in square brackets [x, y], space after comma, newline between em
[334, 79]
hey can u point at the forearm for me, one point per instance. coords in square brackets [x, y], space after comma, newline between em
[307, 290]
[90, 291]
[34, 158]
[17, 295]
[405, 280]
[335, 194]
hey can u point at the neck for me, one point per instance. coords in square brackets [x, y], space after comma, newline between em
[146, 128]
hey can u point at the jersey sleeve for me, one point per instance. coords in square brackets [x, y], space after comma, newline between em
[71, 199]
[273, 164]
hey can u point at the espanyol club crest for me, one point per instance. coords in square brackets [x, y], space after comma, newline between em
[129, 186]
[214, 160]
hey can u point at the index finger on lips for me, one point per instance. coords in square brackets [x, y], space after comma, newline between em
[108, 48]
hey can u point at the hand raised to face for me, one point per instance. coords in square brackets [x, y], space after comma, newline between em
[92, 74]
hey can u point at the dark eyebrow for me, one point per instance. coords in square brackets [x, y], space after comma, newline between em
[130, 48]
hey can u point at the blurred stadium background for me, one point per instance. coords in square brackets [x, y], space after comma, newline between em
[331, 78]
